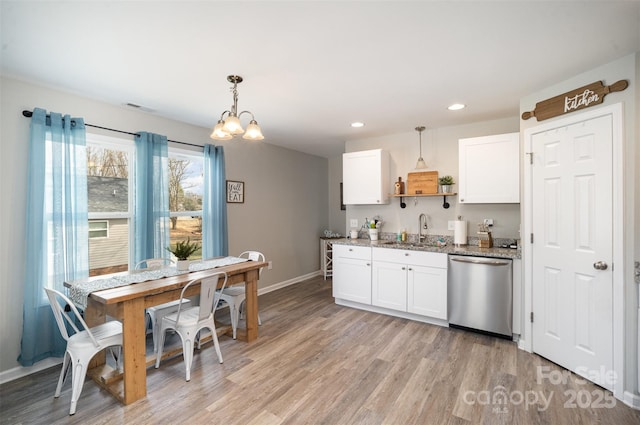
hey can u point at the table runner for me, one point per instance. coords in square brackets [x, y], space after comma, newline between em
[78, 292]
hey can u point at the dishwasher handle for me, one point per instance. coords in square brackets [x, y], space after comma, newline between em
[483, 261]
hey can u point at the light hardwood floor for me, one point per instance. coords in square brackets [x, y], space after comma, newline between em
[318, 363]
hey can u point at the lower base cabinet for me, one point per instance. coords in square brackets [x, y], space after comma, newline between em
[389, 285]
[427, 292]
[352, 273]
[413, 282]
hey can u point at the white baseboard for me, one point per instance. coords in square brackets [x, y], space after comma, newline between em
[20, 371]
[289, 282]
[631, 400]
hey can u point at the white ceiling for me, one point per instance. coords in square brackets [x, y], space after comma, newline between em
[311, 68]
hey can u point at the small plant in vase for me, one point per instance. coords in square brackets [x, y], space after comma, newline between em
[445, 183]
[182, 252]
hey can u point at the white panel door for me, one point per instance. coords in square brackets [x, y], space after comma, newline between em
[572, 229]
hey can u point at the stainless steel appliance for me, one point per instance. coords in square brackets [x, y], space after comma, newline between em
[480, 294]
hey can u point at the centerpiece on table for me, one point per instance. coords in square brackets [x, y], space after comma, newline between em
[182, 252]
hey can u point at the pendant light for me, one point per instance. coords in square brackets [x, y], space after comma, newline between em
[420, 164]
[228, 127]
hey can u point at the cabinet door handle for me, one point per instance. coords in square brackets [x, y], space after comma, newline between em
[404, 268]
[350, 250]
[406, 254]
[368, 264]
[410, 269]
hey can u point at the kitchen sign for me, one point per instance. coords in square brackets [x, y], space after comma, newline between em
[584, 97]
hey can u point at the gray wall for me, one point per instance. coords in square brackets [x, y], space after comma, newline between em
[285, 209]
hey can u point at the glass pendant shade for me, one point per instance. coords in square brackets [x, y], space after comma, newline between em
[421, 164]
[253, 132]
[218, 133]
[232, 125]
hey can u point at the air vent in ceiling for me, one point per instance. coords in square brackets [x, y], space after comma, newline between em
[139, 107]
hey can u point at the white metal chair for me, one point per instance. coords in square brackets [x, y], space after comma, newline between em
[235, 295]
[157, 312]
[82, 345]
[188, 322]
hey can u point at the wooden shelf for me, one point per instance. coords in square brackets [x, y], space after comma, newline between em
[445, 204]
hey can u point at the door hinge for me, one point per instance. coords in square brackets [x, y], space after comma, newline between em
[530, 157]
[532, 238]
[531, 317]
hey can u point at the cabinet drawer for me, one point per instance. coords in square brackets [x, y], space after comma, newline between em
[350, 251]
[420, 258]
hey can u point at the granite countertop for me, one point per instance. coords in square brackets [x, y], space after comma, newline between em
[428, 247]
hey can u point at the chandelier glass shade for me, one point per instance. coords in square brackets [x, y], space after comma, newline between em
[420, 164]
[229, 124]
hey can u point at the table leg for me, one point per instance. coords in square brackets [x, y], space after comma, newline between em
[251, 307]
[134, 350]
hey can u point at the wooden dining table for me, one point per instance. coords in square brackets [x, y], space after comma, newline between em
[128, 303]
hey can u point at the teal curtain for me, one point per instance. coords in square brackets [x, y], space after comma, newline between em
[151, 197]
[56, 231]
[215, 241]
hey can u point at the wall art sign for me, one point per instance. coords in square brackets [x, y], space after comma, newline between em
[584, 97]
[235, 192]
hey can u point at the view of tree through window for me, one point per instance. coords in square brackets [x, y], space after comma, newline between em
[109, 192]
[185, 198]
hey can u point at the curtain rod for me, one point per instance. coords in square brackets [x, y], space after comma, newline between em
[28, 114]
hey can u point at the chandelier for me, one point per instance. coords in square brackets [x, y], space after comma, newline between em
[229, 126]
[420, 164]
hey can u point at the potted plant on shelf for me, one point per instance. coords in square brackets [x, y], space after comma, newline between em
[182, 252]
[445, 183]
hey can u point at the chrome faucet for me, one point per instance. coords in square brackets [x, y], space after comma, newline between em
[422, 218]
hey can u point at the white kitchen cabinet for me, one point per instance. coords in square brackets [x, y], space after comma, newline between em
[410, 281]
[352, 273]
[427, 291]
[389, 285]
[489, 169]
[365, 177]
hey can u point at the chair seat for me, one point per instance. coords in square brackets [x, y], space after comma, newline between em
[107, 334]
[188, 317]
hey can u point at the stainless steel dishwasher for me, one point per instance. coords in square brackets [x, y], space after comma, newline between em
[480, 294]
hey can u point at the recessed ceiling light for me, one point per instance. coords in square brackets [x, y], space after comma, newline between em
[357, 124]
[456, 107]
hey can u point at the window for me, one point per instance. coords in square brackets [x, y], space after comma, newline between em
[109, 189]
[110, 200]
[98, 229]
[186, 187]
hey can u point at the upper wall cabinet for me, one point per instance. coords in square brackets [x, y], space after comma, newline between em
[489, 169]
[365, 177]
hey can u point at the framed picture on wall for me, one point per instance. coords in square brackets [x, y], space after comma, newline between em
[235, 192]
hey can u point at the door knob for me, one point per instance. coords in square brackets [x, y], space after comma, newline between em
[600, 265]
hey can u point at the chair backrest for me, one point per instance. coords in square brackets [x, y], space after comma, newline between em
[153, 263]
[253, 256]
[61, 315]
[209, 297]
